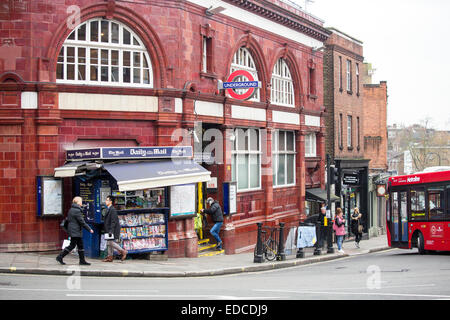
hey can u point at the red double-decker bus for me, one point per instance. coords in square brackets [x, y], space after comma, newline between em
[418, 213]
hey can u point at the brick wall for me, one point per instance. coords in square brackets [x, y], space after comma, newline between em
[338, 100]
[375, 125]
[33, 141]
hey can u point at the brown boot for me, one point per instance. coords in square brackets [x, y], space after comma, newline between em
[124, 254]
[108, 259]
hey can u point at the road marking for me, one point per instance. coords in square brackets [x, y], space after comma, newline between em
[80, 290]
[436, 296]
[171, 296]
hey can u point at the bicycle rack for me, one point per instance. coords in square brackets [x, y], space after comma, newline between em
[278, 237]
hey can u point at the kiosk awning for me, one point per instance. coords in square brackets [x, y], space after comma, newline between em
[317, 194]
[154, 174]
[70, 169]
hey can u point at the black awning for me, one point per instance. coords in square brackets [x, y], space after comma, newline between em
[154, 174]
[319, 195]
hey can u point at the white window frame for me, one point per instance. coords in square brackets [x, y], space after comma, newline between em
[349, 131]
[236, 154]
[349, 75]
[276, 153]
[243, 60]
[282, 86]
[205, 54]
[357, 78]
[136, 46]
[311, 145]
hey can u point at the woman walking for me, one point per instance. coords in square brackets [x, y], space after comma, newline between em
[339, 228]
[357, 227]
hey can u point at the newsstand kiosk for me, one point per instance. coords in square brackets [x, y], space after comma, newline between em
[149, 184]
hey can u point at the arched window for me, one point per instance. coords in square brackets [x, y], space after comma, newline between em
[104, 52]
[282, 90]
[243, 60]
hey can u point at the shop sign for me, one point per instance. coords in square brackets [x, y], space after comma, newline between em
[83, 154]
[129, 153]
[350, 179]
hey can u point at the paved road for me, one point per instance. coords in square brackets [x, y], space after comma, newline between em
[392, 274]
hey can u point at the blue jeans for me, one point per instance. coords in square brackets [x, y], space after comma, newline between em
[215, 232]
[339, 240]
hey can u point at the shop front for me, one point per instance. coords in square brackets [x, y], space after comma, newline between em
[151, 186]
[353, 189]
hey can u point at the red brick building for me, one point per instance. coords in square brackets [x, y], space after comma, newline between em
[343, 100]
[83, 74]
[375, 126]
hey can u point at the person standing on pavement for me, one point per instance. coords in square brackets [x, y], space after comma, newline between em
[356, 226]
[339, 228]
[112, 228]
[215, 211]
[321, 219]
[75, 231]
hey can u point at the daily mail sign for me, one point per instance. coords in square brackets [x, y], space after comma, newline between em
[111, 153]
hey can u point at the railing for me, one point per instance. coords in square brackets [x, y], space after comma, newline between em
[270, 243]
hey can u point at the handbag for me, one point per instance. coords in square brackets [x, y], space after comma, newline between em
[64, 224]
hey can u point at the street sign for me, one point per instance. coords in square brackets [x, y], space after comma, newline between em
[230, 85]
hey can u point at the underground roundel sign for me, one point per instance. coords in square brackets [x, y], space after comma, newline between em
[251, 85]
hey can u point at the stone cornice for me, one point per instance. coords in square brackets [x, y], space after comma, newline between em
[282, 16]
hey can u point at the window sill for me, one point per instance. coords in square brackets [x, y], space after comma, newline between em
[312, 97]
[284, 186]
[208, 75]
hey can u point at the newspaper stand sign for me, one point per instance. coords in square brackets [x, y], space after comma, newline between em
[250, 85]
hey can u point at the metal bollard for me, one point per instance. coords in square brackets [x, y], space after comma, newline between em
[258, 258]
[281, 255]
[330, 248]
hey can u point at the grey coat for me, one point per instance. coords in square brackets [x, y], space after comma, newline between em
[215, 212]
[76, 222]
[112, 224]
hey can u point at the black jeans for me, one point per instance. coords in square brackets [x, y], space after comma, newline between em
[358, 237]
[75, 242]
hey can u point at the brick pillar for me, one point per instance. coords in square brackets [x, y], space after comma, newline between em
[301, 171]
[228, 228]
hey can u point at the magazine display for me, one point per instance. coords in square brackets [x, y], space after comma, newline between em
[143, 232]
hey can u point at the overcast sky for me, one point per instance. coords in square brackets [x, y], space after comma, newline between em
[407, 42]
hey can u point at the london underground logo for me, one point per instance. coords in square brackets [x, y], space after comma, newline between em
[251, 85]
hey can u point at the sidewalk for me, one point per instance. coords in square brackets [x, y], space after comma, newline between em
[45, 263]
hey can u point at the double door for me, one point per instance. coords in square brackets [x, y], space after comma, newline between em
[398, 218]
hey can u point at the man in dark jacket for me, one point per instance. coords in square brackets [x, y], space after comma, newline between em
[112, 228]
[75, 231]
[215, 211]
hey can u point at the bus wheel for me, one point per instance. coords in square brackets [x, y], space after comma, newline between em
[421, 244]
